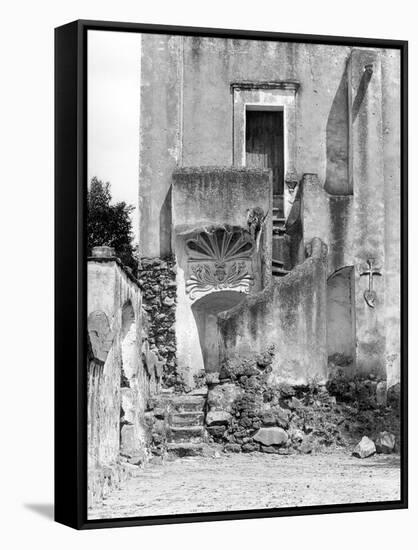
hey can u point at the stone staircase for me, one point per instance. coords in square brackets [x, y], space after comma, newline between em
[280, 252]
[186, 433]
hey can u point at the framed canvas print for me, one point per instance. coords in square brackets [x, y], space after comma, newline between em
[230, 274]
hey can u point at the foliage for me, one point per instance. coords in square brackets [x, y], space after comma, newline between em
[109, 224]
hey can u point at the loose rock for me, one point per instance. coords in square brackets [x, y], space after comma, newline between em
[365, 448]
[306, 446]
[385, 443]
[233, 447]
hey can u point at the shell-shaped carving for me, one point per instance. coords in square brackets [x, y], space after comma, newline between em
[220, 245]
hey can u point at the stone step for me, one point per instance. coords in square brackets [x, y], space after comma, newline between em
[187, 434]
[278, 230]
[203, 391]
[185, 449]
[187, 403]
[277, 263]
[187, 419]
[280, 250]
[278, 202]
[279, 272]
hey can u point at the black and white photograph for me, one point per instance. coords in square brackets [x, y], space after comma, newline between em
[243, 274]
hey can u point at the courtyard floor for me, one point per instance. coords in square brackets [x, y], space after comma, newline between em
[252, 481]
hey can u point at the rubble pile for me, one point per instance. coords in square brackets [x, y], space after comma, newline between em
[247, 413]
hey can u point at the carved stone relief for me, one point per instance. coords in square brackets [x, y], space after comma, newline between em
[219, 260]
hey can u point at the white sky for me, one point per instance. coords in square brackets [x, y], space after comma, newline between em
[114, 63]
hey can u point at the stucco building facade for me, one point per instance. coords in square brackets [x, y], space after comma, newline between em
[307, 138]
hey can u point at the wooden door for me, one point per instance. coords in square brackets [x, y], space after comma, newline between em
[264, 144]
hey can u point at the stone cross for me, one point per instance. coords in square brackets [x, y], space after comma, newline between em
[370, 294]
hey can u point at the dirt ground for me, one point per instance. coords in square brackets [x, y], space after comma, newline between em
[253, 481]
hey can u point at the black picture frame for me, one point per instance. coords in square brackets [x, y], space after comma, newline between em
[70, 273]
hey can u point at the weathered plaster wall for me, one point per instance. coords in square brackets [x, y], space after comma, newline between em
[392, 184]
[330, 218]
[119, 382]
[358, 229]
[210, 65]
[160, 141]
[187, 111]
[203, 198]
[347, 133]
[368, 205]
[290, 315]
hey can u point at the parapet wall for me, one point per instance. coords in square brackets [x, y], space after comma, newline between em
[289, 316]
[207, 196]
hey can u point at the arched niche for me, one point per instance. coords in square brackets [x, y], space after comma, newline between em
[130, 354]
[205, 311]
[341, 337]
[99, 333]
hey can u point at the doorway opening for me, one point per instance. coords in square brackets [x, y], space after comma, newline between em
[264, 144]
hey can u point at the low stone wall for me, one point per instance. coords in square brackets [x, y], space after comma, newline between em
[290, 316]
[122, 375]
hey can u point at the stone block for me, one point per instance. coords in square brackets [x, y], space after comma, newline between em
[282, 417]
[221, 397]
[203, 391]
[250, 447]
[218, 418]
[212, 378]
[296, 435]
[294, 403]
[381, 393]
[271, 436]
[306, 446]
[268, 419]
[216, 431]
[233, 447]
[394, 396]
[169, 302]
[270, 450]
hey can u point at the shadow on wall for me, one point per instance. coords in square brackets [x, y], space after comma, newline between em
[205, 312]
[337, 181]
[341, 338]
[165, 226]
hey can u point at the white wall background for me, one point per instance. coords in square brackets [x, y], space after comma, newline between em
[27, 276]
